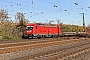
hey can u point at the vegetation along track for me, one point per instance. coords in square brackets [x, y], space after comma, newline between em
[42, 50]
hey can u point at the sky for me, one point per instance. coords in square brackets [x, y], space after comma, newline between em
[67, 11]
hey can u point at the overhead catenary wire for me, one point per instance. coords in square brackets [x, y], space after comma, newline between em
[40, 9]
[24, 5]
[56, 4]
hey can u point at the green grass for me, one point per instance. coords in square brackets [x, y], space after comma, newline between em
[6, 36]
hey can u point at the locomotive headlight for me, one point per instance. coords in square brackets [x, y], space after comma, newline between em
[29, 31]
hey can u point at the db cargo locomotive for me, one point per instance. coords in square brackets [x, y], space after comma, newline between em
[41, 31]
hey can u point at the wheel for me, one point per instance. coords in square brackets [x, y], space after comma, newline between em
[23, 37]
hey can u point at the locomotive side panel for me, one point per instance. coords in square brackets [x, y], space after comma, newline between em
[49, 30]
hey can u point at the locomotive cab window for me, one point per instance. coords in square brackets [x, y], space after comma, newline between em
[29, 28]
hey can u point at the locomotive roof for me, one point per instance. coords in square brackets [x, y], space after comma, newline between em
[40, 25]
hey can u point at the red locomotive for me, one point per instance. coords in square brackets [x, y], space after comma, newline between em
[41, 31]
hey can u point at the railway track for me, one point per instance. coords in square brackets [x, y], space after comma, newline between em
[42, 50]
[63, 53]
[57, 53]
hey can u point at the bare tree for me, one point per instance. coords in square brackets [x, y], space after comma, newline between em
[6, 25]
[21, 22]
[3, 18]
[59, 22]
[3, 15]
[21, 18]
[51, 21]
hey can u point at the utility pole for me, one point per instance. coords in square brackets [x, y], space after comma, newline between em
[83, 22]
